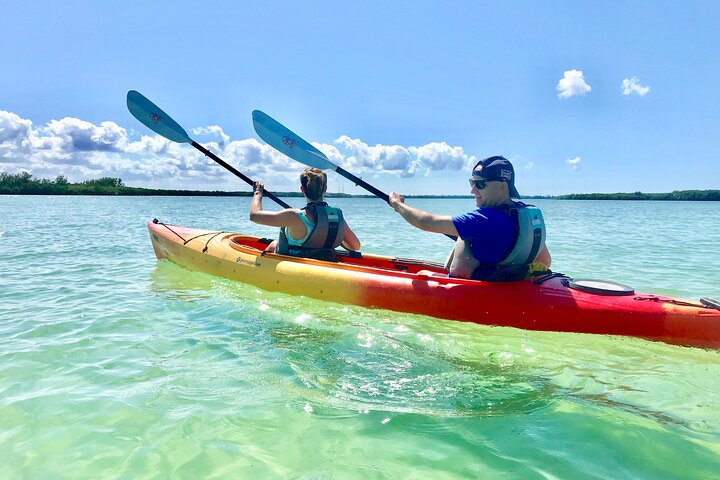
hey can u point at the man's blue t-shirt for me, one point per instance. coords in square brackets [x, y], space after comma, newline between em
[492, 233]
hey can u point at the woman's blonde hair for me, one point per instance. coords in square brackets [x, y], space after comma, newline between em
[314, 182]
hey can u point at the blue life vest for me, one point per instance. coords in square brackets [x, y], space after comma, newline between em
[530, 240]
[321, 238]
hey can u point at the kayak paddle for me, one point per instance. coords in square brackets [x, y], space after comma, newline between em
[161, 123]
[291, 144]
[285, 141]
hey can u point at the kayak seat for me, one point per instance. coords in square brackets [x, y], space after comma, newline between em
[251, 242]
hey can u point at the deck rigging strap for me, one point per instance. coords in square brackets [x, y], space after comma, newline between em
[186, 241]
[701, 304]
[209, 239]
[158, 222]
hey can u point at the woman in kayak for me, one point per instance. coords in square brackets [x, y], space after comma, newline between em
[312, 231]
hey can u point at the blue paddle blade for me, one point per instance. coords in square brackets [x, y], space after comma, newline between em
[154, 118]
[285, 141]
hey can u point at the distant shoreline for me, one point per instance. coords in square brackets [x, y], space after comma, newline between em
[678, 196]
[25, 184]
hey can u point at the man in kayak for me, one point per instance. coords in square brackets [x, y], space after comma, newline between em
[500, 240]
[312, 231]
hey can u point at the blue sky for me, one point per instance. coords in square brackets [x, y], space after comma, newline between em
[404, 94]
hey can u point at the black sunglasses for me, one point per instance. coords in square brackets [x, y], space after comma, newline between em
[479, 184]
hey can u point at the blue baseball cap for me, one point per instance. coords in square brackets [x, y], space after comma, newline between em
[497, 168]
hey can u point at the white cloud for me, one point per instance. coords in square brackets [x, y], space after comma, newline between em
[81, 150]
[529, 165]
[74, 135]
[404, 161]
[14, 130]
[573, 83]
[213, 131]
[632, 85]
[574, 162]
[331, 152]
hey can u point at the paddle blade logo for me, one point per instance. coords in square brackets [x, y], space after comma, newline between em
[290, 142]
[155, 118]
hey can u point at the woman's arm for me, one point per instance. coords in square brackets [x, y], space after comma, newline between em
[284, 218]
[350, 240]
[544, 256]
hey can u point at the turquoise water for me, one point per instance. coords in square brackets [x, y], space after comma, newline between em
[115, 365]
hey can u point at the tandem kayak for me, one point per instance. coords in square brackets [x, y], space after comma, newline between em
[552, 302]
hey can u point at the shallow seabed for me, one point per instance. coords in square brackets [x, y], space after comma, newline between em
[115, 365]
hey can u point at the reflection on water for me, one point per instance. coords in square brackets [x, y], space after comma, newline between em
[361, 370]
[349, 360]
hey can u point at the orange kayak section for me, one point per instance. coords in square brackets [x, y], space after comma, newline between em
[416, 286]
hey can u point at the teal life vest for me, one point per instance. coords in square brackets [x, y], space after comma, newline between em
[322, 237]
[531, 236]
[530, 240]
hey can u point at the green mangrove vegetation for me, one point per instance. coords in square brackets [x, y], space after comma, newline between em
[703, 195]
[25, 184]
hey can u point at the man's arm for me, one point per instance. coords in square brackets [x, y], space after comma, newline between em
[427, 221]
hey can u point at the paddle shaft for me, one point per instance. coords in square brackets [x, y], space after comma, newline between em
[362, 183]
[238, 174]
[371, 189]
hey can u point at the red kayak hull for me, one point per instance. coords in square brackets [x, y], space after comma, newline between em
[416, 287]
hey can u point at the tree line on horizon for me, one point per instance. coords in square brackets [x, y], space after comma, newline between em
[698, 195]
[25, 184]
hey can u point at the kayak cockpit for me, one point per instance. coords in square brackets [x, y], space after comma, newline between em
[255, 245]
[242, 242]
